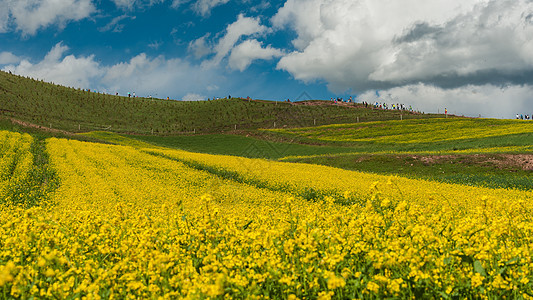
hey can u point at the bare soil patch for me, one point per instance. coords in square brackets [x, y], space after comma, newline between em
[500, 161]
[523, 160]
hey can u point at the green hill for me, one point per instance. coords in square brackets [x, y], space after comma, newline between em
[73, 110]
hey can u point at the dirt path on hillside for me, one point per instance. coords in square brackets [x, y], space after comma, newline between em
[42, 128]
[501, 161]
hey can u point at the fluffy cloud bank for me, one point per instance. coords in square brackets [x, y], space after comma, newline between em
[161, 76]
[58, 68]
[469, 100]
[155, 76]
[379, 44]
[28, 16]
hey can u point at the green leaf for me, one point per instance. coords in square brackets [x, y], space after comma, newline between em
[478, 268]
[512, 261]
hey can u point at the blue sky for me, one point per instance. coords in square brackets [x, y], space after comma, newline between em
[474, 57]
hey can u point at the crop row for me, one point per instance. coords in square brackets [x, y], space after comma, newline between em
[16, 161]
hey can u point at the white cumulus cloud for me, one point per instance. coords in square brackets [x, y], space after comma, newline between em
[371, 44]
[204, 7]
[56, 67]
[147, 76]
[493, 36]
[8, 58]
[243, 54]
[158, 76]
[200, 47]
[28, 16]
[244, 26]
[470, 100]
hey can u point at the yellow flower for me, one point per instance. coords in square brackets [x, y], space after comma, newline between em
[395, 285]
[372, 286]
[6, 273]
[335, 282]
[289, 200]
[325, 295]
[49, 272]
[41, 262]
[385, 203]
[476, 280]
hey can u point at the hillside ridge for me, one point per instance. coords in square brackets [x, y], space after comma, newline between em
[75, 110]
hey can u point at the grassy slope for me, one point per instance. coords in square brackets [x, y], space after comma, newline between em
[239, 145]
[75, 110]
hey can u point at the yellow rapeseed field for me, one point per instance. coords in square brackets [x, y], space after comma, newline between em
[148, 223]
[412, 131]
[15, 164]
